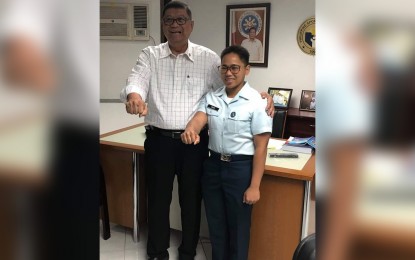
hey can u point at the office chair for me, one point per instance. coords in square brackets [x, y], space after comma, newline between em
[306, 249]
[106, 233]
[278, 123]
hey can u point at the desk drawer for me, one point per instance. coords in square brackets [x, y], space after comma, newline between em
[300, 127]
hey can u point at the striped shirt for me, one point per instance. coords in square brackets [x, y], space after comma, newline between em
[172, 86]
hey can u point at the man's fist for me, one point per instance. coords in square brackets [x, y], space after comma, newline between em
[135, 105]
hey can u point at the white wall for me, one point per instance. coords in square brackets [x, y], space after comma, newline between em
[288, 66]
[118, 57]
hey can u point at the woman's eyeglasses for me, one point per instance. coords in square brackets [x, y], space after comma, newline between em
[233, 68]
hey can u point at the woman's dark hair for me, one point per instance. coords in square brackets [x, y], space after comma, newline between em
[238, 50]
[177, 5]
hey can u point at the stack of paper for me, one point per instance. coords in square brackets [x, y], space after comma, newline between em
[300, 144]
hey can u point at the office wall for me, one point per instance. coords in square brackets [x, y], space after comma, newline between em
[117, 59]
[288, 66]
[118, 56]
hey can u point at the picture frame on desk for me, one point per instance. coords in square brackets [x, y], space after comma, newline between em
[281, 97]
[308, 100]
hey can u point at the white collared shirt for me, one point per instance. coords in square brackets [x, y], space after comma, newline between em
[254, 48]
[173, 85]
[232, 125]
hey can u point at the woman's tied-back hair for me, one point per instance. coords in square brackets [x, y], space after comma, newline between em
[238, 50]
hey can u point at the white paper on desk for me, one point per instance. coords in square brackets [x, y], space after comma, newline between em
[275, 144]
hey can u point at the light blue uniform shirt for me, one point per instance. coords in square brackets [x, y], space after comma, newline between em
[232, 126]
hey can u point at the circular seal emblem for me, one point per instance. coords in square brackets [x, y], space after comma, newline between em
[306, 36]
[248, 20]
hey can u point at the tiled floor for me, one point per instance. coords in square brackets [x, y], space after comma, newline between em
[122, 247]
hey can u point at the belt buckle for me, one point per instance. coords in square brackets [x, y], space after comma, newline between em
[225, 157]
[149, 127]
[175, 135]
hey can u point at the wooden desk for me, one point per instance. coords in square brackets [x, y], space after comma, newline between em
[300, 123]
[279, 219]
[121, 157]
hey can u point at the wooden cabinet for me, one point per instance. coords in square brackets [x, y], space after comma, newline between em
[300, 123]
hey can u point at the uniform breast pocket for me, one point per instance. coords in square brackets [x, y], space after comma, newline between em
[239, 123]
[213, 119]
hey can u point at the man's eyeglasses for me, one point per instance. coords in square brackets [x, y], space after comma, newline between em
[233, 68]
[179, 21]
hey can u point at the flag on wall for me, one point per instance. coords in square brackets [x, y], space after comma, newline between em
[233, 28]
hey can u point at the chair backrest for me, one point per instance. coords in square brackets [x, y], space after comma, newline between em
[306, 249]
[278, 123]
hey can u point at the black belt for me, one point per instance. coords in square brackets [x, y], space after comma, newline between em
[175, 134]
[230, 157]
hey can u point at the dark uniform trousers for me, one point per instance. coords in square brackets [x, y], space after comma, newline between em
[229, 219]
[165, 157]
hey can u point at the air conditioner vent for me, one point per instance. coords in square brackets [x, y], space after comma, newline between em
[140, 16]
[113, 12]
[124, 21]
[114, 29]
